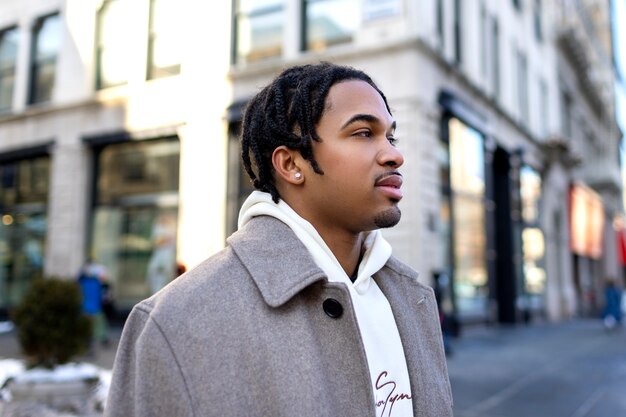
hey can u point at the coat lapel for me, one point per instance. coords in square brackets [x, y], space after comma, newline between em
[263, 241]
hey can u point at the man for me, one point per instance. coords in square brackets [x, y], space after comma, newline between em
[305, 312]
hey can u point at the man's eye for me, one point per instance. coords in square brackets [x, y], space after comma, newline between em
[364, 133]
[393, 140]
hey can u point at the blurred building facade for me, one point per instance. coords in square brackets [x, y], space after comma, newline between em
[119, 122]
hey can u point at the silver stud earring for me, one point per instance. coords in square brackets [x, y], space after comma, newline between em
[298, 175]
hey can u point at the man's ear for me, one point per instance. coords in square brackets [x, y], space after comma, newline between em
[286, 165]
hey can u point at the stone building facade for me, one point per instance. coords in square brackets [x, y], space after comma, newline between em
[125, 114]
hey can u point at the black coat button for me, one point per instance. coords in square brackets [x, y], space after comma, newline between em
[332, 308]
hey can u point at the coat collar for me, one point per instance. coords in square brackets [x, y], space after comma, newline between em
[277, 261]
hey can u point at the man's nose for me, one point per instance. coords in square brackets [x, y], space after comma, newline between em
[391, 156]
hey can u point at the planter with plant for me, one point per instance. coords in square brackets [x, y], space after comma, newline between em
[51, 331]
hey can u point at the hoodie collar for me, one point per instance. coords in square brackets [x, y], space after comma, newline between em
[377, 249]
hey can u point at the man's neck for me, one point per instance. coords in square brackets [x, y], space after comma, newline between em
[345, 245]
[347, 248]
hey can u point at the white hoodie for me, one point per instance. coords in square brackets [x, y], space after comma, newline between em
[379, 332]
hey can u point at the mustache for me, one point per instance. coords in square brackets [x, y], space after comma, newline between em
[386, 175]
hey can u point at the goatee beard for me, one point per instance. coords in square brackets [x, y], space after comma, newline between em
[388, 218]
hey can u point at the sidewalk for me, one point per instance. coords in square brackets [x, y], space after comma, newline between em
[571, 369]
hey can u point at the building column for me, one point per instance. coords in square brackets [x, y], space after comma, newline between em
[68, 204]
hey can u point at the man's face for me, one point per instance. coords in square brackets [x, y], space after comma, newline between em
[360, 188]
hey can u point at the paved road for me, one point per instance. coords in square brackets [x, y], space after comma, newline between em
[573, 369]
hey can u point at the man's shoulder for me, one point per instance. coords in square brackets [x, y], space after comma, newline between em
[207, 284]
[401, 268]
[403, 271]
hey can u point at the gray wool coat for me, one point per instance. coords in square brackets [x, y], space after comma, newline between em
[246, 334]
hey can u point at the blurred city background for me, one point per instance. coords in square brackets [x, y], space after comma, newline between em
[119, 122]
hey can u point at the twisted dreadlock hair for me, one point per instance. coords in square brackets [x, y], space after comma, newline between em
[286, 112]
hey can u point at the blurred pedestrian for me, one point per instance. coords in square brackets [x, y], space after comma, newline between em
[612, 313]
[91, 278]
[180, 268]
[441, 282]
[162, 264]
[108, 302]
[305, 312]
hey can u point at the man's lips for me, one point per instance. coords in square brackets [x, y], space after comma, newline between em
[390, 184]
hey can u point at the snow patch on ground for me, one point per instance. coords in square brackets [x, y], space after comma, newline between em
[60, 373]
[15, 369]
[6, 326]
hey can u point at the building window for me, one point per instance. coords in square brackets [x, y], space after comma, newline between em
[23, 200]
[458, 32]
[134, 222]
[46, 46]
[522, 87]
[440, 24]
[8, 58]
[329, 22]
[543, 108]
[537, 23]
[495, 57]
[112, 52]
[463, 216]
[483, 40]
[164, 44]
[566, 115]
[258, 30]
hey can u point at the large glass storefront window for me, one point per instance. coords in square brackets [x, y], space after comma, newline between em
[533, 244]
[463, 211]
[134, 224]
[23, 200]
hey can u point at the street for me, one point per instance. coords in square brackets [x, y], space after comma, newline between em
[571, 369]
